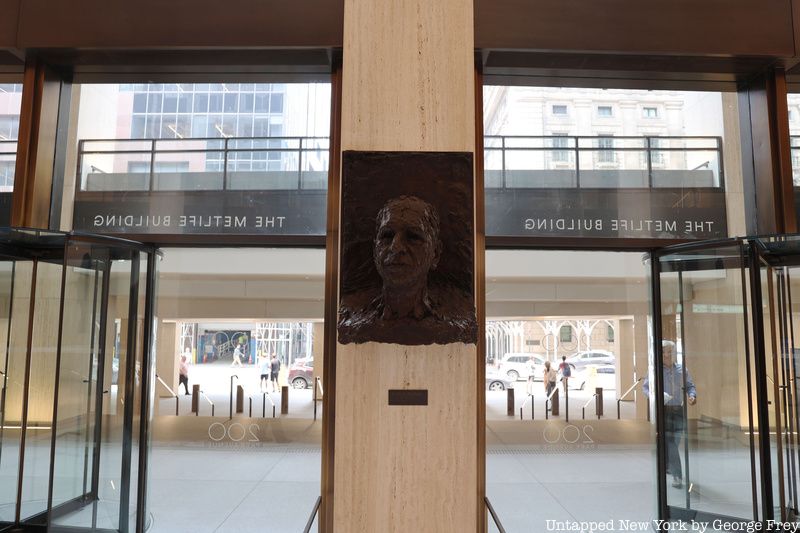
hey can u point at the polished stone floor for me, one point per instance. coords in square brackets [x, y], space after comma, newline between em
[262, 475]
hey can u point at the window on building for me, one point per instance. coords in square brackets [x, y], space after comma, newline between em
[656, 155]
[650, 112]
[560, 144]
[565, 334]
[9, 127]
[605, 111]
[610, 333]
[559, 109]
[796, 167]
[605, 149]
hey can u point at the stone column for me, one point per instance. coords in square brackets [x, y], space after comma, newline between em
[408, 85]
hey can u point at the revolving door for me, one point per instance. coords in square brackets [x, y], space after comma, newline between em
[725, 393]
[76, 338]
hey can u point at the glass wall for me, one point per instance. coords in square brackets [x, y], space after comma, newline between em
[236, 442]
[611, 163]
[243, 158]
[581, 449]
[69, 418]
[10, 102]
[793, 101]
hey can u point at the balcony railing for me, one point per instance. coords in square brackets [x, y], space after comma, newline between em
[558, 161]
[8, 161]
[216, 164]
[301, 163]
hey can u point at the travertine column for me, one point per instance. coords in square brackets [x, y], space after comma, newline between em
[408, 85]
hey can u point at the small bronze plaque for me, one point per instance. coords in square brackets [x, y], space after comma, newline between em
[408, 396]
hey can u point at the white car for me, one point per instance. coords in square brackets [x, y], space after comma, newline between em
[592, 376]
[520, 365]
[591, 357]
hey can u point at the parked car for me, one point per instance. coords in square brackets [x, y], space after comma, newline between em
[591, 357]
[497, 382]
[301, 373]
[520, 365]
[604, 376]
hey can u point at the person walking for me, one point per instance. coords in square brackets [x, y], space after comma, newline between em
[674, 416]
[237, 356]
[565, 369]
[183, 374]
[264, 366]
[550, 377]
[275, 369]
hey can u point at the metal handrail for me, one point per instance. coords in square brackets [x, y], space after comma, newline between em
[548, 402]
[496, 519]
[264, 397]
[230, 406]
[317, 386]
[307, 529]
[619, 400]
[528, 399]
[583, 409]
[573, 146]
[173, 393]
[203, 395]
[225, 146]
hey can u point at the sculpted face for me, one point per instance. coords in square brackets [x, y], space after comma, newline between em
[407, 243]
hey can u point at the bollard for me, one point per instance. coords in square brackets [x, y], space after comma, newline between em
[566, 399]
[285, 400]
[599, 401]
[510, 401]
[239, 399]
[195, 398]
[554, 404]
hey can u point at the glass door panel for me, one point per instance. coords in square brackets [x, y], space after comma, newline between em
[77, 426]
[781, 385]
[40, 376]
[94, 472]
[709, 451]
[15, 295]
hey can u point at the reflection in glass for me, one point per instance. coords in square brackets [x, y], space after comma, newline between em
[705, 389]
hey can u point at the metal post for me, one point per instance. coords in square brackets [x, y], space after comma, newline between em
[239, 399]
[148, 363]
[230, 398]
[598, 391]
[577, 164]
[503, 159]
[554, 403]
[510, 402]
[300, 166]
[195, 398]
[130, 372]
[225, 165]
[152, 164]
[649, 162]
[285, 400]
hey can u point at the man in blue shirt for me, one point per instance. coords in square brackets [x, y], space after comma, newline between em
[674, 394]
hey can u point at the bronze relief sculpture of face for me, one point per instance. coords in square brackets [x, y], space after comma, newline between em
[408, 309]
[406, 249]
